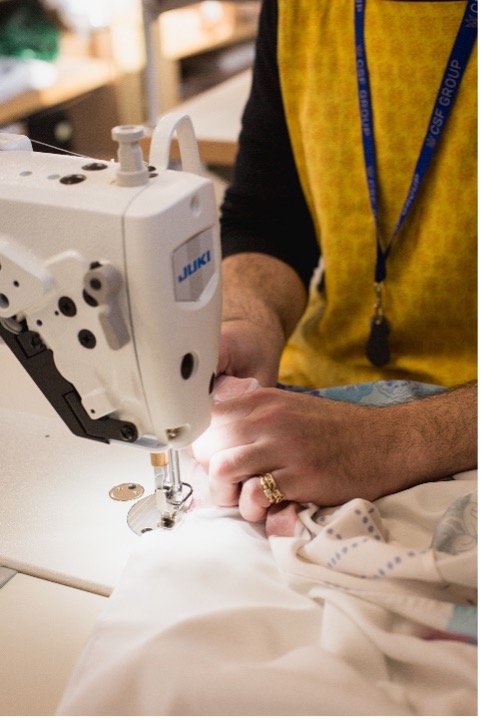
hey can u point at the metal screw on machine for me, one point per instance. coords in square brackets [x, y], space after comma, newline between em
[129, 432]
[86, 338]
[67, 306]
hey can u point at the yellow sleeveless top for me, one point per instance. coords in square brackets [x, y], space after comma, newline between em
[430, 296]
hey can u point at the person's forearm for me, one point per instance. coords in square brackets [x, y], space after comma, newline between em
[263, 289]
[437, 436]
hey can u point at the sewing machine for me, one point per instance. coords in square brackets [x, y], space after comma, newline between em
[110, 300]
[110, 292]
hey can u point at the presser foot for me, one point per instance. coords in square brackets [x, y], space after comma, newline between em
[172, 510]
[159, 510]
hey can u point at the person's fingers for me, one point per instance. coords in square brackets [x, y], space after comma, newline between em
[282, 518]
[253, 504]
[228, 387]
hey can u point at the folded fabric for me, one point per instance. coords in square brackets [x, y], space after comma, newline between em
[214, 619]
[364, 609]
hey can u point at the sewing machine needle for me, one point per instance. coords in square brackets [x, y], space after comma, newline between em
[175, 473]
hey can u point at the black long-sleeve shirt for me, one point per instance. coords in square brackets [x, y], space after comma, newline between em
[264, 208]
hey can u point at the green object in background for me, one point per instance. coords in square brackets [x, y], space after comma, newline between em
[26, 32]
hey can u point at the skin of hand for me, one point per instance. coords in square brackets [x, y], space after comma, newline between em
[328, 452]
[320, 451]
[263, 299]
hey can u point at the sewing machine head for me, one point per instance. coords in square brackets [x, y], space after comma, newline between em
[110, 285]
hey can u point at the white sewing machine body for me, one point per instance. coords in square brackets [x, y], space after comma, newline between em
[110, 299]
[121, 284]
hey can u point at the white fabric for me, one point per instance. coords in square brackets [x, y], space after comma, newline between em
[354, 615]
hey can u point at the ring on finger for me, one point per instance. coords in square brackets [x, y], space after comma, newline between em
[270, 489]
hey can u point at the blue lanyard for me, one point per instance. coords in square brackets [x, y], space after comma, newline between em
[444, 102]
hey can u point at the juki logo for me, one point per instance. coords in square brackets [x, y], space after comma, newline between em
[194, 266]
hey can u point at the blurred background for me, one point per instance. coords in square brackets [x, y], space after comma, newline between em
[70, 70]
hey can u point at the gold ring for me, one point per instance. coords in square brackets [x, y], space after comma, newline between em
[270, 489]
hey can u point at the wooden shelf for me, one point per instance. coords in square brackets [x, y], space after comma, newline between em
[186, 32]
[77, 76]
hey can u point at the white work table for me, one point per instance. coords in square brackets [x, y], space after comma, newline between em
[62, 534]
[58, 521]
[44, 628]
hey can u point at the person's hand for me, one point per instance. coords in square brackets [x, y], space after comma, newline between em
[320, 451]
[250, 350]
[263, 299]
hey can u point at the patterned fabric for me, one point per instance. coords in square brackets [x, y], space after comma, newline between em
[430, 297]
[378, 393]
[432, 583]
